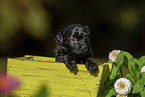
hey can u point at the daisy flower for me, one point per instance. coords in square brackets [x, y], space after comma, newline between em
[8, 84]
[119, 95]
[123, 86]
[113, 55]
[142, 69]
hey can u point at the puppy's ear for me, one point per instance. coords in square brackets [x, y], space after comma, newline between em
[59, 37]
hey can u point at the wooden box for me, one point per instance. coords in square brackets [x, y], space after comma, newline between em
[61, 82]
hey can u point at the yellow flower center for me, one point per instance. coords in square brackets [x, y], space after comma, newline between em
[115, 54]
[120, 96]
[122, 86]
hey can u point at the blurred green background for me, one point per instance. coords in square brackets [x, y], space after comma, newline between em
[30, 26]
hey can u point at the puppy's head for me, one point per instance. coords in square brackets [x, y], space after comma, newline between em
[75, 38]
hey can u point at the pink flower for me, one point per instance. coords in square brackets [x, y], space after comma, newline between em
[8, 83]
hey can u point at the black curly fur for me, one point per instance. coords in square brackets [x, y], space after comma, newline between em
[74, 47]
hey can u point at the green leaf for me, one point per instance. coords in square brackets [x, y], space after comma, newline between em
[112, 76]
[141, 82]
[137, 88]
[123, 58]
[131, 65]
[111, 81]
[142, 58]
[126, 59]
[128, 55]
[142, 61]
[109, 93]
[120, 59]
[113, 72]
[137, 62]
[134, 70]
[42, 92]
[142, 93]
[129, 77]
[143, 75]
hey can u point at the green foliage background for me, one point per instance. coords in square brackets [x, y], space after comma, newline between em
[30, 26]
[126, 67]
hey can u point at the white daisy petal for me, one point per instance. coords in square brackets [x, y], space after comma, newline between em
[142, 69]
[119, 95]
[113, 55]
[123, 86]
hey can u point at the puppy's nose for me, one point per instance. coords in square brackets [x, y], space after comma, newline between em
[84, 48]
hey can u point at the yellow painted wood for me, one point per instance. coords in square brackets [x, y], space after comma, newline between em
[36, 70]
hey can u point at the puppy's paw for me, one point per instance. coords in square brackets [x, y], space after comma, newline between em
[71, 64]
[91, 65]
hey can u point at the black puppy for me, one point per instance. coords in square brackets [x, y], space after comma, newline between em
[74, 47]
